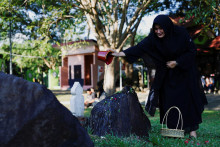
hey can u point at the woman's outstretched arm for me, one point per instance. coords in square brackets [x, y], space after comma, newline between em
[117, 54]
[120, 54]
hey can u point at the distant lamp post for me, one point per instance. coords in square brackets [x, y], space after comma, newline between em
[120, 65]
[10, 48]
[10, 39]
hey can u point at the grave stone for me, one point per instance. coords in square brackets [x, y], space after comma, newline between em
[77, 100]
[120, 114]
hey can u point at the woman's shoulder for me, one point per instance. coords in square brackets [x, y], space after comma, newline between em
[181, 32]
[180, 29]
[147, 40]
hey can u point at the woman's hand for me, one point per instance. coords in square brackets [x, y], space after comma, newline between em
[171, 64]
[112, 50]
[120, 54]
[116, 54]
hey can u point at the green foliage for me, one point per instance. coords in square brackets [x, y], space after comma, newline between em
[43, 23]
[203, 12]
[140, 37]
[37, 56]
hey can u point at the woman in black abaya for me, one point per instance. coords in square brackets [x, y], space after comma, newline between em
[177, 80]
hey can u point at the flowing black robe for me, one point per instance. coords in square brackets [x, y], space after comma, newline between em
[180, 86]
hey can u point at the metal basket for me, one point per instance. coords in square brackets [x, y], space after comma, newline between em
[179, 133]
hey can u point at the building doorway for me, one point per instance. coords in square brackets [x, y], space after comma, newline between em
[88, 71]
[77, 72]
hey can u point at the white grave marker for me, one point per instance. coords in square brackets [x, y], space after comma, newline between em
[77, 100]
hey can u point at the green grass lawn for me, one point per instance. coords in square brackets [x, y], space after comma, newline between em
[208, 135]
[209, 131]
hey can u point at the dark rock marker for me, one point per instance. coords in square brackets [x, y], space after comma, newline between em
[120, 114]
[31, 116]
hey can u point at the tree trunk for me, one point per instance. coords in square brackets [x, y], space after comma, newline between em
[109, 78]
[128, 70]
[129, 67]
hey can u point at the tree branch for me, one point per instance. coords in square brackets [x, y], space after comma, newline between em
[101, 5]
[93, 3]
[99, 27]
[61, 18]
[123, 18]
[115, 24]
[91, 25]
[83, 8]
[138, 11]
[119, 48]
[135, 27]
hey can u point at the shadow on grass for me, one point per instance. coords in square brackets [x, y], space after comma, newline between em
[61, 92]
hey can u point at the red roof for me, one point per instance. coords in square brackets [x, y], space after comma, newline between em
[193, 31]
[203, 50]
[215, 43]
[177, 20]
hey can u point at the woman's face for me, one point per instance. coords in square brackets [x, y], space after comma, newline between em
[159, 31]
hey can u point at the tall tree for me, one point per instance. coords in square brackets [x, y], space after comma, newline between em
[113, 22]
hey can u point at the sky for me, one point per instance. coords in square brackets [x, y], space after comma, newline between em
[147, 22]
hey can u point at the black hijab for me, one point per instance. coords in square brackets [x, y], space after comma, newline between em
[169, 45]
[165, 23]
